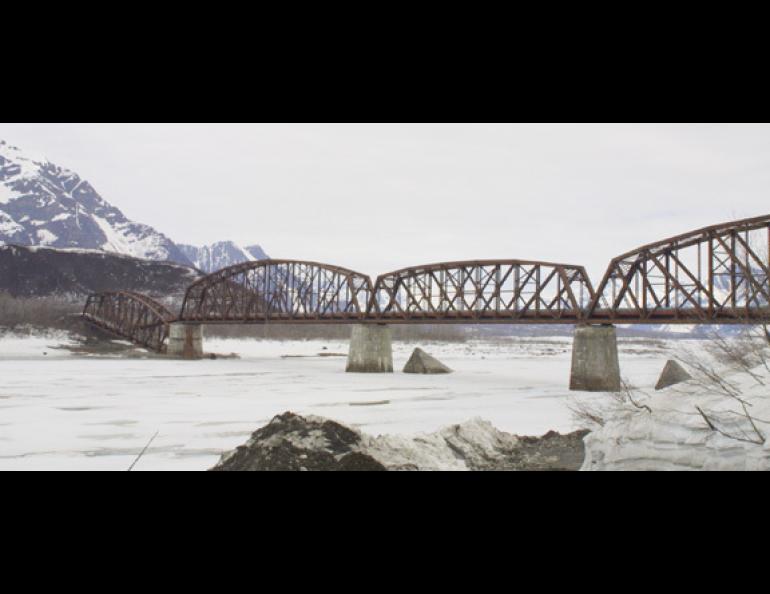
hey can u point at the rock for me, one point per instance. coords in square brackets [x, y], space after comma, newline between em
[422, 362]
[293, 442]
[673, 373]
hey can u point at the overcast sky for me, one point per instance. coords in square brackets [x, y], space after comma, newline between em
[377, 197]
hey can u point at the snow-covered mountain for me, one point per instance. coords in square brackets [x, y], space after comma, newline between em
[42, 204]
[220, 255]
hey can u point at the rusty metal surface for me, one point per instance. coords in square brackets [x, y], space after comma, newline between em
[718, 274]
[489, 291]
[483, 291]
[132, 316]
[279, 291]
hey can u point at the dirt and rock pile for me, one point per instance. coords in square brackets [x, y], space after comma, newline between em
[293, 442]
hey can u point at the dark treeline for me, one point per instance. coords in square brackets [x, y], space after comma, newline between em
[406, 333]
[27, 313]
[38, 312]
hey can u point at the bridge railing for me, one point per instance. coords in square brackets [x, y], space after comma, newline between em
[131, 316]
[484, 291]
[278, 291]
[715, 274]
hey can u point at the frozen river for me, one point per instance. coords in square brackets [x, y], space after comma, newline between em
[65, 411]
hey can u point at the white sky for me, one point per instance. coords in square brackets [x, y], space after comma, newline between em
[376, 197]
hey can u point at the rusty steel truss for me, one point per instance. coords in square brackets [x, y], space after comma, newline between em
[279, 291]
[483, 291]
[718, 274]
[132, 316]
[512, 291]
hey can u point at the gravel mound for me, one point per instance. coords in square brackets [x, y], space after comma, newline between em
[294, 442]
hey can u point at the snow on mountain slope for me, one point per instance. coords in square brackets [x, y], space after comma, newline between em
[42, 204]
[221, 255]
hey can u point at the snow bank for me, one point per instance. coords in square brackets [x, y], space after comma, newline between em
[676, 436]
[472, 445]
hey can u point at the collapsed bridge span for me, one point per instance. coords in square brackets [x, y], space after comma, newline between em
[131, 316]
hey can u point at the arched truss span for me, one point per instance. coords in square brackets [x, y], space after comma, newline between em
[717, 274]
[129, 315]
[484, 291]
[278, 291]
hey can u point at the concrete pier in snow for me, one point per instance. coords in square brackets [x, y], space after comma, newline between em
[371, 349]
[595, 366]
[185, 341]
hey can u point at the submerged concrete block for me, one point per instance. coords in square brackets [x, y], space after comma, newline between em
[595, 366]
[422, 362]
[673, 373]
[371, 349]
[185, 341]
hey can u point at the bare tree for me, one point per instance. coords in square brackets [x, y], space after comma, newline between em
[26, 313]
[722, 374]
[593, 411]
[740, 356]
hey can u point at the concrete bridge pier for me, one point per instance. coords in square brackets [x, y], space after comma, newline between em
[595, 366]
[371, 349]
[185, 340]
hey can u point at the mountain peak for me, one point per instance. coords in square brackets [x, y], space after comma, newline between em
[221, 254]
[16, 165]
[42, 204]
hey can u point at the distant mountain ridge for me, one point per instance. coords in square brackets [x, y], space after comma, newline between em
[220, 255]
[42, 204]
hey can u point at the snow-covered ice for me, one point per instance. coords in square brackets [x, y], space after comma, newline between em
[673, 435]
[65, 411]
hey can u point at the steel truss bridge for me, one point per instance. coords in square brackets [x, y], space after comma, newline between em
[715, 275]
